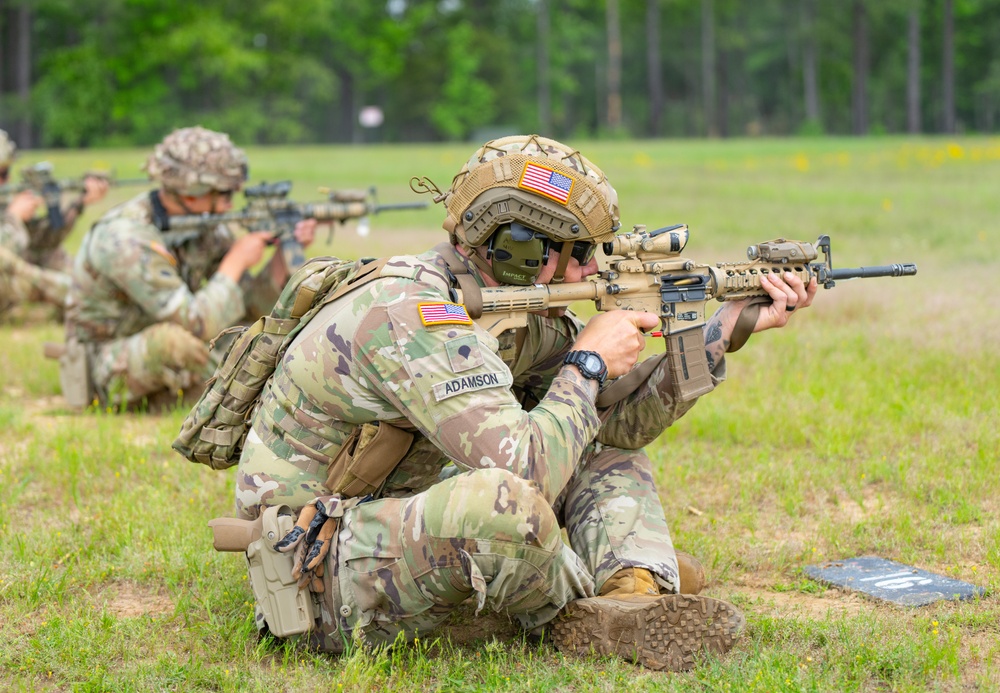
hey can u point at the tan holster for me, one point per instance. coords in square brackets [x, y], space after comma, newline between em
[367, 458]
[287, 608]
[74, 374]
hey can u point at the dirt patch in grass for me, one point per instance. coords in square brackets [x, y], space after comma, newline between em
[463, 627]
[766, 602]
[127, 600]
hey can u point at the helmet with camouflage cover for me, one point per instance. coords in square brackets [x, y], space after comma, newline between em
[196, 161]
[8, 150]
[521, 195]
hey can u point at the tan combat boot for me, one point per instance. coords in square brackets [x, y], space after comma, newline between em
[633, 621]
[691, 573]
[689, 570]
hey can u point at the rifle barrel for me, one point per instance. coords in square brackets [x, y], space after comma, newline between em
[907, 269]
[131, 181]
[400, 205]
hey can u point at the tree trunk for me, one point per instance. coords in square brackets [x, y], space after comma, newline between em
[810, 70]
[653, 66]
[708, 66]
[948, 68]
[859, 86]
[542, 69]
[614, 66]
[3, 58]
[22, 75]
[722, 85]
[347, 109]
[913, 71]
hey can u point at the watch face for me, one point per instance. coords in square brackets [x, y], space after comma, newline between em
[592, 363]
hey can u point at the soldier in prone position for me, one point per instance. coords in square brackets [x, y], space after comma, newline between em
[498, 443]
[29, 271]
[139, 316]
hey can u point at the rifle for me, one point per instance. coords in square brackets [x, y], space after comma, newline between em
[40, 179]
[269, 209]
[647, 273]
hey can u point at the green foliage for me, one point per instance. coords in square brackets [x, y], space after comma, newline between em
[274, 71]
[465, 99]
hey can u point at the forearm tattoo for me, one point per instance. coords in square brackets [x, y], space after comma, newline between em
[715, 345]
[587, 384]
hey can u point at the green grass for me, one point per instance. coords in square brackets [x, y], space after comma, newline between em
[869, 426]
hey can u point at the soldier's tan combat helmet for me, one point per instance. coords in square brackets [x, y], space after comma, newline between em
[527, 186]
[8, 150]
[196, 161]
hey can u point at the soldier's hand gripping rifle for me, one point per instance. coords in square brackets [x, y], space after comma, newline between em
[40, 179]
[647, 273]
[269, 209]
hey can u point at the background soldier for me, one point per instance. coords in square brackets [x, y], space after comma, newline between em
[139, 315]
[517, 416]
[33, 265]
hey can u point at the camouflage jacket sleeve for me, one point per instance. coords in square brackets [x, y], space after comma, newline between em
[259, 293]
[13, 234]
[449, 382]
[131, 255]
[639, 418]
[631, 423]
[201, 257]
[540, 357]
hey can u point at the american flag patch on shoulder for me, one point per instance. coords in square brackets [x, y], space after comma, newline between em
[546, 181]
[443, 314]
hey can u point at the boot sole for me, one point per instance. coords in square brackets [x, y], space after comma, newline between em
[661, 634]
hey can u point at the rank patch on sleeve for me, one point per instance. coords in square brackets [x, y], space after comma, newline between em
[464, 353]
[443, 314]
[470, 383]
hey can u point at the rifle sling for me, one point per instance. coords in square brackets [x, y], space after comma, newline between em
[472, 295]
[161, 219]
[628, 383]
[745, 323]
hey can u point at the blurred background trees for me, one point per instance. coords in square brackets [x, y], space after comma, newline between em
[124, 72]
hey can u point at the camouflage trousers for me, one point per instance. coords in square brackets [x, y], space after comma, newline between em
[22, 282]
[162, 360]
[403, 564]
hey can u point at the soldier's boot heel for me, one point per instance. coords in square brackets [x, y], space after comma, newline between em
[661, 633]
[691, 573]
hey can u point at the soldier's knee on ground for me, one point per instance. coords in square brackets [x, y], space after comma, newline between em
[171, 346]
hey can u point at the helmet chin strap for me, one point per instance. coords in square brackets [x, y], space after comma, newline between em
[179, 200]
[565, 253]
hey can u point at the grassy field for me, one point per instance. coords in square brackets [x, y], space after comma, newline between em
[868, 427]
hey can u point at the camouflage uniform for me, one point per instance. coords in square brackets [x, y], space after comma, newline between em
[26, 274]
[424, 545]
[20, 279]
[45, 244]
[145, 312]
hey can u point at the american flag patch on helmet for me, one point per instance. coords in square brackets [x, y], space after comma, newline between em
[546, 181]
[443, 314]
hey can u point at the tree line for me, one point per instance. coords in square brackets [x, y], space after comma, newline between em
[79, 73]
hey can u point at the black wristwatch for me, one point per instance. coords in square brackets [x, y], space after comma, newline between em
[590, 363]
